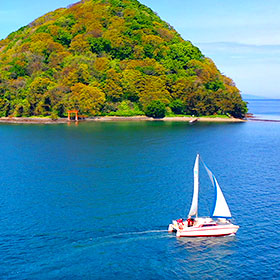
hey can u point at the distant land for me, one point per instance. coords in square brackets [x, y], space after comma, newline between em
[251, 96]
[256, 97]
[109, 58]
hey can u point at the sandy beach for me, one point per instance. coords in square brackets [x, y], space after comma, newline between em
[172, 119]
[115, 118]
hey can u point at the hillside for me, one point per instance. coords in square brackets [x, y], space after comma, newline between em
[107, 57]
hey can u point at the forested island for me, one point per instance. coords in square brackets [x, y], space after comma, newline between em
[109, 58]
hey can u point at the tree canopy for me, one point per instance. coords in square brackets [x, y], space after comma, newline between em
[96, 54]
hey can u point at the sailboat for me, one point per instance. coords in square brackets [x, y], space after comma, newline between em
[218, 224]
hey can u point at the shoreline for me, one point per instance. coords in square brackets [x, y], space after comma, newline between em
[22, 120]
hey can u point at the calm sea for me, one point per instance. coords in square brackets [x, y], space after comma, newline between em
[268, 109]
[93, 201]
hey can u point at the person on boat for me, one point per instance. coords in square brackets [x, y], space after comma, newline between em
[180, 223]
[190, 222]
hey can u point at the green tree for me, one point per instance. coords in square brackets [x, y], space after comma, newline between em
[156, 109]
[87, 99]
[112, 86]
[177, 106]
[153, 88]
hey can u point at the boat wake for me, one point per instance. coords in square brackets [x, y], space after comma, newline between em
[141, 232]
[123, 237]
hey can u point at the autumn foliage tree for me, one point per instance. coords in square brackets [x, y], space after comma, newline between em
[87, 99]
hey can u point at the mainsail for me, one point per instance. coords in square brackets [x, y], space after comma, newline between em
[194, 206]
[220, 209]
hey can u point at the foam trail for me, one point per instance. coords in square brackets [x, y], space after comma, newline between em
[131, 233]
[143, 232]
[122, 237]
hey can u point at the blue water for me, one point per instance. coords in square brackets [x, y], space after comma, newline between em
[268, 109]
[93, 201]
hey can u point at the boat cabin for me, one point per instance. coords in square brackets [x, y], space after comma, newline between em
[208, 225]
[204, 222]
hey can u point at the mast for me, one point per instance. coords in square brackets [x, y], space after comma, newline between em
[194, 206]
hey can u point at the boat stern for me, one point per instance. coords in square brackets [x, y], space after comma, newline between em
[174, 227]
[171, 228]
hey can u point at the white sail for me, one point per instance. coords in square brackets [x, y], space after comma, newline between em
[220, 209]
[194, 206]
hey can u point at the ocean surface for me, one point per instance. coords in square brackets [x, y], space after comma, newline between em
[268, 109]
[94, 200]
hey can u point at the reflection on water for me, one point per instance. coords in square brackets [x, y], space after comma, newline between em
[206, 254]
[69, 123]
[200, 244]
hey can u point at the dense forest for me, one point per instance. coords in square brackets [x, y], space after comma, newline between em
[109, 57]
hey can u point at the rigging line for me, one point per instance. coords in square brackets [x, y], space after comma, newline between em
[207, 205]
[202, 161]
[211, 178]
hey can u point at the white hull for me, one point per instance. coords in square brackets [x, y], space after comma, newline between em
[203, 229]
[211, 231]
